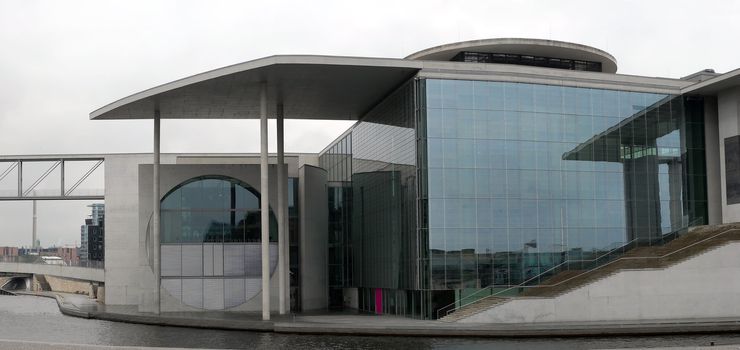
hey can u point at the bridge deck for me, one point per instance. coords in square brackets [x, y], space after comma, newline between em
[75, 272]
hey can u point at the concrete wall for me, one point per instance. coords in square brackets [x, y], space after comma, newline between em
[711, 146]
[70, 286]
[728, 108]
[704, 286]
[314, 213]
[129, 279]
[171, 175]
[126, 266]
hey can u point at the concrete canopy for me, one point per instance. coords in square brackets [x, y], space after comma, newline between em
[712, 86]
[308, 87]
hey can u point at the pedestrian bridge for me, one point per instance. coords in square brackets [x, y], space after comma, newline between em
[75, 272]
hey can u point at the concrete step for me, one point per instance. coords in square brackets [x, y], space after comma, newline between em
[474, 308]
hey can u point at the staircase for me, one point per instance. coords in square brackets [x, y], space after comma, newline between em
[474, 308]
[697, 241]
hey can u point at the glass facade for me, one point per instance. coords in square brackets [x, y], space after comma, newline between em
[450, 186]
[522, 177]
[338, 162]
[373, 240]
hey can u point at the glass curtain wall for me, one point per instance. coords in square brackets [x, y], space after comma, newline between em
[337, 160]
[294, 230]
[372, 182]
[521, 177]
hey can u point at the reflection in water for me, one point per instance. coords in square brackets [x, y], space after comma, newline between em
[38, 319]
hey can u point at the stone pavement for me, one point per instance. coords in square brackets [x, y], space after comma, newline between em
[366, 324]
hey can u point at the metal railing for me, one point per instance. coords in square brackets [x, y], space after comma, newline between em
[37, 259]
[591, 265]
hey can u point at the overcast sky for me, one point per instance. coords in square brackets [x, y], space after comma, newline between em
[59, 60]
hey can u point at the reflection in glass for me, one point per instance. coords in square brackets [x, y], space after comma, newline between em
[522, 177]
[213, 210]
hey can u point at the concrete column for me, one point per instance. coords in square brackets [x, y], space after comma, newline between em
[33, 235]
[61, 165]
[264, 206]
[155, 216]
[282, 263]
[20, 178]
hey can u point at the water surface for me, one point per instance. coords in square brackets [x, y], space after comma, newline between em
[39, 319]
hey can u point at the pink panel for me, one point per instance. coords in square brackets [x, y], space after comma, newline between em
[378, 301]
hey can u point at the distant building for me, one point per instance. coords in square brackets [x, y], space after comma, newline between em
[9, 251]
[67, 255]
[92, 235]
[83, 240]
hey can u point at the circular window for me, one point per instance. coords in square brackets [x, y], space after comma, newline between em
[211, 248]
[213, 209]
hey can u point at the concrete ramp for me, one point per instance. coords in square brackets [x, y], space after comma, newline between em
[701, 287]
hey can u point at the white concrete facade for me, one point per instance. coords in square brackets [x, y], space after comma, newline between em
[701, 287]
[314, 238]
[129, 207]
[728, 106]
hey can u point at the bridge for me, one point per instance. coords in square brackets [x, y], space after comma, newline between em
[90, 274]
[60, 167]
[50, 177]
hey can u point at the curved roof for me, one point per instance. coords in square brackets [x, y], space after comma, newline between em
[308, 87]
[534, 47]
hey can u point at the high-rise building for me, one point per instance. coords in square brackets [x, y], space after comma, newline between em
[92, 235]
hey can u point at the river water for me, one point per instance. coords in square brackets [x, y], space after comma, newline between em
[39, 319]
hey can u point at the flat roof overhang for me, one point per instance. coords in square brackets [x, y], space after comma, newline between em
[713, 86]
[597, 147]
[308, 87]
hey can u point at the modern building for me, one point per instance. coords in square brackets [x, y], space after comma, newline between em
[9, 251]
[68, 255]
[471, 165]
[92, 235]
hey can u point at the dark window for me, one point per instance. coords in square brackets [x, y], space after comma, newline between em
[732, 169]
[527, 60]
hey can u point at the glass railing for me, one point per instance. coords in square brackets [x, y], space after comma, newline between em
[39, 259]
